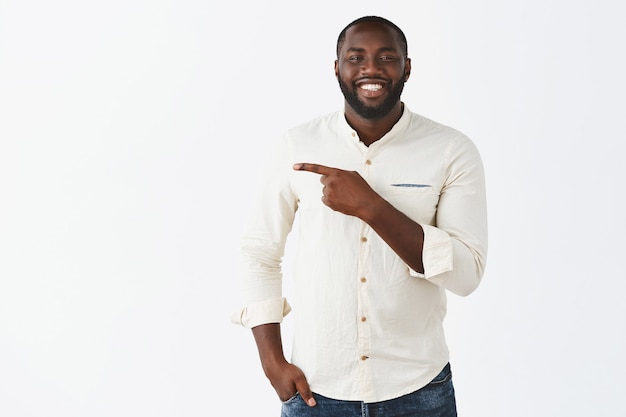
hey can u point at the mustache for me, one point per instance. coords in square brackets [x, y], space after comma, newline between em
[371, 79]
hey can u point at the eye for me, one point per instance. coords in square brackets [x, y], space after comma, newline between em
[387, 58]
[355, 58]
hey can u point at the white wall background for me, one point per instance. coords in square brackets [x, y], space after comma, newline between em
[130, 135]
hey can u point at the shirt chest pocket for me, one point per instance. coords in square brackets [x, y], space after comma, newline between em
[418, 201]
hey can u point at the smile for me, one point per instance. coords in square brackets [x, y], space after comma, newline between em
[371, 87]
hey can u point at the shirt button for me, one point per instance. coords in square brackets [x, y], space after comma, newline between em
[354, 134]
[368, 162]
[363, 358]
[363, 239]
[363, 319]
[363, 279]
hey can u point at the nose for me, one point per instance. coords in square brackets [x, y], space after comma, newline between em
[370, 66]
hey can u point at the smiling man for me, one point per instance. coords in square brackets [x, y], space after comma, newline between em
[371, 72]
[392, 213]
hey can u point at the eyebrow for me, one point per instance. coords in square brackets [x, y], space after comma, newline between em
[383, 49]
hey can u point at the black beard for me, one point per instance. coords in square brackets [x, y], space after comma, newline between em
[371, 112]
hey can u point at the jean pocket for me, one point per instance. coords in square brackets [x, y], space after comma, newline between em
[444, 376]
[293, 398]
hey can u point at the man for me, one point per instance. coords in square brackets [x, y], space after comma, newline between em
[392, 215]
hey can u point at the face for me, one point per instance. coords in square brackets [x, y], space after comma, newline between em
[371, 69]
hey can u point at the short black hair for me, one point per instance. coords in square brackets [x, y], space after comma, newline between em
[374, 19]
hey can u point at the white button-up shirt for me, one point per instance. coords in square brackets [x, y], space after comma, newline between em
[366, 326]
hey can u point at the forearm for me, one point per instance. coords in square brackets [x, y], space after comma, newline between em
[286, 378]
[269, 344]
[403, 235]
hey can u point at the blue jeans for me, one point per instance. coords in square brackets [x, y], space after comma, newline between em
[434, 400]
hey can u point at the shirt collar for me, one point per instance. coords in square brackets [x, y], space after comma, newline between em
[345, 130]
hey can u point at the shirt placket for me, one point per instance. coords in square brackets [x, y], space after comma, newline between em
[364, 330]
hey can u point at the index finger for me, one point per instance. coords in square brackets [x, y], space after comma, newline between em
[316, 168]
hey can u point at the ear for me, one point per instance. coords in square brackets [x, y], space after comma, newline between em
[407, 69]
[336, 68]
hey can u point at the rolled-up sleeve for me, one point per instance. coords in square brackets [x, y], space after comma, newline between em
[455, 248]
[262, 312]
[263, 240]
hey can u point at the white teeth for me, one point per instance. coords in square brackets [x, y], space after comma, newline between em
[371, 87]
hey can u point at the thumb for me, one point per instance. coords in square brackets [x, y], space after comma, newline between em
[306, 394]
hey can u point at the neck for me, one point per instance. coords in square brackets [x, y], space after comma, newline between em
[369, 130]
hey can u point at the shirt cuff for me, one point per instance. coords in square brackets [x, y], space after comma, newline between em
[262, 312]
[437, 253]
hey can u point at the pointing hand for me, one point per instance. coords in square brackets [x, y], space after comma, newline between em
[344, 191]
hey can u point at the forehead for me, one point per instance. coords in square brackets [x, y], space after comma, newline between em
[371, 35]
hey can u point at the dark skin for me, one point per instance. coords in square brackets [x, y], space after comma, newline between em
[370, 61]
